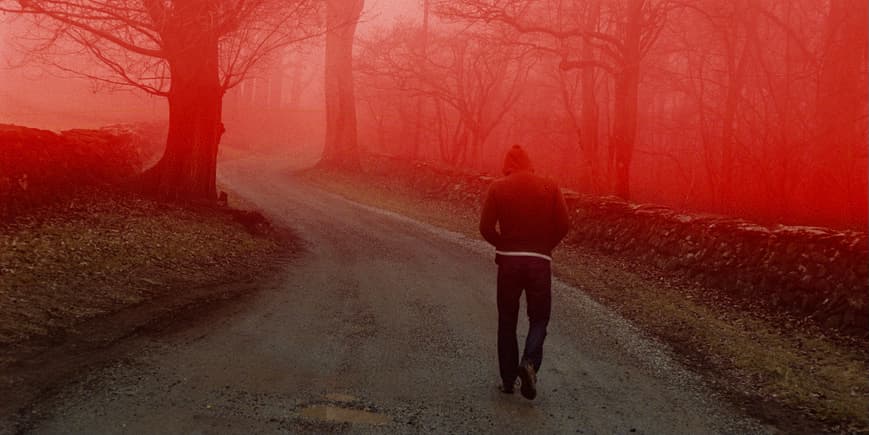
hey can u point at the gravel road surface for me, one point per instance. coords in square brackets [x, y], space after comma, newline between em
[383, 325]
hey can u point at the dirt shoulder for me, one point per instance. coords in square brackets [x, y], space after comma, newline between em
[779, 369]
[78, 276]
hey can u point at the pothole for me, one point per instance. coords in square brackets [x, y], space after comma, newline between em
[337, 414]
[341, 397]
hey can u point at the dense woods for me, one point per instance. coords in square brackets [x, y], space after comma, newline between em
[748, 108]
[753, 108]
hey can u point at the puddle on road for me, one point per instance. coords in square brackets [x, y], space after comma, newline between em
[337, 414]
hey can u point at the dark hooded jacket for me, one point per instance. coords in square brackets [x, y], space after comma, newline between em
[529, 210]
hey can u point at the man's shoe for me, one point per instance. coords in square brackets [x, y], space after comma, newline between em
[508, 388]
[529, 380]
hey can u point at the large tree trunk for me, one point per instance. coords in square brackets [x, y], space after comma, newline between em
[414, 151]
[341, 148]
[188, 167]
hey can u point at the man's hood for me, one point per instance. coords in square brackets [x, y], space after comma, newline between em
[516, 160]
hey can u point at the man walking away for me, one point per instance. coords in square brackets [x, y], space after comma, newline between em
[531, 216]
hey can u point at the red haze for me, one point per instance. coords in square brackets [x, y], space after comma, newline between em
[751, 108]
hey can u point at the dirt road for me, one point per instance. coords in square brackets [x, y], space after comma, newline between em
[383, 325]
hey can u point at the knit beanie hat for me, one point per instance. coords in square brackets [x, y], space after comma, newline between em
[516, 160]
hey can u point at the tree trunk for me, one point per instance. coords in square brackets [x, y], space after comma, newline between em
[341, 148]
[188, 167]
[276, 87]
[627, 82]
[418, 121]
[839, 179]
[260, 97]
[736, 59]
[247, 90]
[588, 135]
[296, 86]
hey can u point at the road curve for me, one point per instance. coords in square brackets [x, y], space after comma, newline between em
[383, 325]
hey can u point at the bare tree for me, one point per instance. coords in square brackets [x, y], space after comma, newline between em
[189, 51]
[341, 147]
[842, 108]
[633, 29]
[471, 79]
[727, 42]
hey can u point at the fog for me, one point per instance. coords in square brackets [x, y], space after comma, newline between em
[37, 95]
[754, 109]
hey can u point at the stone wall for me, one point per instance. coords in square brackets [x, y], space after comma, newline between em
[38, 166]
[807, 271]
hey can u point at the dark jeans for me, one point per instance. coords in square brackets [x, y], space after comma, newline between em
[532, 275]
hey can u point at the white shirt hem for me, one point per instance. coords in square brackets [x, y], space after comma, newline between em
[524, 254]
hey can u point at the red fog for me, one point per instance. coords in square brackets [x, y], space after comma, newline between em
[756, 109]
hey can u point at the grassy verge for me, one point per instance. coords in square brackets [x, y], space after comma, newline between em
[102, 252]
[774, 368]
[80, 276]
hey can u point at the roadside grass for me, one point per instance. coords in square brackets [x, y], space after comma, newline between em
[100, 252]
[768, 367]
[776, 368]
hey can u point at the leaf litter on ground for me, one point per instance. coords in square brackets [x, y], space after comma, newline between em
[100, 251]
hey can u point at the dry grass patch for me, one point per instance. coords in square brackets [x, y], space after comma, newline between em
[773, 367]
[100, 252]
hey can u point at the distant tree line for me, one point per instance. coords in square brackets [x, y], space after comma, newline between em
[748, 107]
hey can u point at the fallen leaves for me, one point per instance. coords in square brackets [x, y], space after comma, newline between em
[100, 251]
